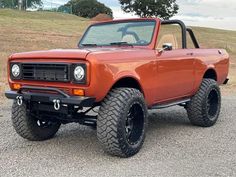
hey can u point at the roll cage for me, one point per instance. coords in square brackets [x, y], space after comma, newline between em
[184, 31]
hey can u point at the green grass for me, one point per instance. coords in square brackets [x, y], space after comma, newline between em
[28, 31]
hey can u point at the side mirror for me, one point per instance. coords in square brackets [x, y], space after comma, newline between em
[166, 47]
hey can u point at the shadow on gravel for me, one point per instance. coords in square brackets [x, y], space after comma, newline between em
[172, 116]
[81, 141]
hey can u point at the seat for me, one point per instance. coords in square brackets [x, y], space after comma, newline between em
[130, 39]
[168, 38]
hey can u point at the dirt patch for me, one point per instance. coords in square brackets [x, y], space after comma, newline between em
[102, 17]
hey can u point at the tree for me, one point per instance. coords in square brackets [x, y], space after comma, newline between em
[8, 3]
[151, 8]
[14, 3]
[88, 8]
[65, 9]
[31, 3]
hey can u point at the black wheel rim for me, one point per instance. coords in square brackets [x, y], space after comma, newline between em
[134, 124]
[212, 103]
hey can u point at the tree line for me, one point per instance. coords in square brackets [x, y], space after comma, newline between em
[24, 3]
[164, 9]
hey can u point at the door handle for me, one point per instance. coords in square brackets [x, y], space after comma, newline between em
[190, 54]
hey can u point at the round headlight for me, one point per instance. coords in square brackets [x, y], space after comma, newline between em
[79, 73]
[15, 70]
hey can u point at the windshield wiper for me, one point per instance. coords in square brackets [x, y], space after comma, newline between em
[89, 45]
[121, 44]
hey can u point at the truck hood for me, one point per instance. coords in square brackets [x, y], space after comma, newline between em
[53, 54]
[67, 53]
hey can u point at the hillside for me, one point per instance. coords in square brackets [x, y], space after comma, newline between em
[27, 31]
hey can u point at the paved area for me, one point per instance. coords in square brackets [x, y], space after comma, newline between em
[173, 147]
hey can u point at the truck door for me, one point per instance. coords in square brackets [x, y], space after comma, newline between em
[175, 74]
[175, 65]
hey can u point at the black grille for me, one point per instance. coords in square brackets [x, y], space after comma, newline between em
[45, 72]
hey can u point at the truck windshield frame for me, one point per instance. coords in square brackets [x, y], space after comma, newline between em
[145, 29]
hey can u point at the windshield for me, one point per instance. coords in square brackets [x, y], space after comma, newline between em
[138, 33]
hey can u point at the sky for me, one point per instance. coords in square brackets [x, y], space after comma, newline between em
[207, 13]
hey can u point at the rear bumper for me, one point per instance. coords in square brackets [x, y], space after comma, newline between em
[49, 98]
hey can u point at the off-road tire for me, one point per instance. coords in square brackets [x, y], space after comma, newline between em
[201, 111]
[112, 122]
[27, 127]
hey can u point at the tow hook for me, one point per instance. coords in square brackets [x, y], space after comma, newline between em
[19, 100]
[56, 104]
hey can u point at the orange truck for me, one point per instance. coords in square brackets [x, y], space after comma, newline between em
[120, 69]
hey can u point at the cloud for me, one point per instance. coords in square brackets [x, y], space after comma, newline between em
[111, 3]
[208, 13]
[208, 7]
[118, 13]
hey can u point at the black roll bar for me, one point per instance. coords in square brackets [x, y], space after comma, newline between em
[190, 31]
[184, 31]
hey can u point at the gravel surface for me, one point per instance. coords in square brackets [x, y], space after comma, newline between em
[173, 147]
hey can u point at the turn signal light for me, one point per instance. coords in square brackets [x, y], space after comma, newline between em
[16, 86]
[78, 92]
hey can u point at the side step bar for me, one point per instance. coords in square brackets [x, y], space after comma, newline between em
[166, 105]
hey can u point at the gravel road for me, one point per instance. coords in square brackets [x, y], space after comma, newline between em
[173, 147]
